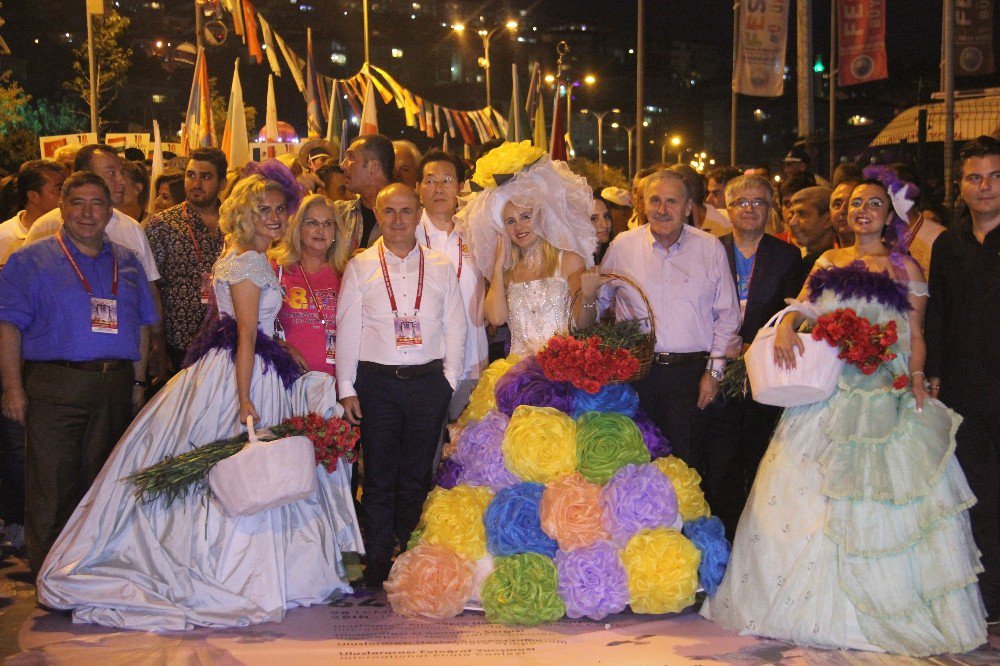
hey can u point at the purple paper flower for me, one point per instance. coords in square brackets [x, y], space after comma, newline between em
[592, 581]
[655, 440]
[513, 525]
[637, 497]
[526, 384]
[856, 281]
[480, 453]
[447, 474]
[709, 535]
[620, 398]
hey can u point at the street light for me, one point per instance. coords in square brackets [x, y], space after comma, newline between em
[600, 138]
[484, 62]
[675, 142]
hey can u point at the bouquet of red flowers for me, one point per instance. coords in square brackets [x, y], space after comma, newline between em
[586, 363]
[862, 344]
[332, 438]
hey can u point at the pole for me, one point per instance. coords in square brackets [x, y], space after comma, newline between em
[600, 145]
[948, 86]
[486, 66]
[833, 87]
[807, 116]
[639, 75]
[734, 98]
[569, 120]
[198, 17]
[364, 7]
[628, 167]
[93, 72]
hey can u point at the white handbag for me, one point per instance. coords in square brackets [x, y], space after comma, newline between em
[264, 475]
[814, 376]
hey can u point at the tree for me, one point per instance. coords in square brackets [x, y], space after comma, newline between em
[17, 146]
[111, 61]
[13, 99]
[46, 118]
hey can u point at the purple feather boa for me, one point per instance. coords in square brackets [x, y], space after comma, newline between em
[221, 334]
[856, 281]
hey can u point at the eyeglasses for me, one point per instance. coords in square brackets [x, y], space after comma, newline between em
[434, 182]
[747, 203]
[873, 203]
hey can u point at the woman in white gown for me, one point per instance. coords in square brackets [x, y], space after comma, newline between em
[124, 563]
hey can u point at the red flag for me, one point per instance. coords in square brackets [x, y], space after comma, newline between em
[253, 41]
[861, 41]
[557, 140]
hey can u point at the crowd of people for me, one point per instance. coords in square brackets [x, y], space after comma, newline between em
[381, 287]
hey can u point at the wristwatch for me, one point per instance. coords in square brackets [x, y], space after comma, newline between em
[714, 374]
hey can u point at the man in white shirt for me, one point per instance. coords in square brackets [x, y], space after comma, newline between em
[400, 353]
[439, 180]
[39, 183]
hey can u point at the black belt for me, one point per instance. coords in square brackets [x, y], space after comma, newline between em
[671, 358]
[108, 365]
[404, 371]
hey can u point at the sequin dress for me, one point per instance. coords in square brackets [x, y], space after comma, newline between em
[537, 310]
[123, 563]
[856, 533]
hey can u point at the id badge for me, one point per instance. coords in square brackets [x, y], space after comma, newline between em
[408, 334]
[103, 315]
[331, 347]
[206, 288]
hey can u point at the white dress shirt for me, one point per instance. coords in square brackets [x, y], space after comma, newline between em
[689, 287]
[473, 288]
[12, 235]
[122, 229]
[365, 322]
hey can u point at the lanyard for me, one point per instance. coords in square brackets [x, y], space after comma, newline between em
[194, 241]
[312, 295]
[461, 249]
[79, 274]
[388, 283]
[912, 231]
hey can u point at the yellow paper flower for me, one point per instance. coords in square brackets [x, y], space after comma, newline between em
[506, 159]
[687, 483]
[454, 518]
[540, 444]
[662, 568]
[483, 397]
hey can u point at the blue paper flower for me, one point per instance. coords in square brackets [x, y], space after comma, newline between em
[512, 522]
[709, 535]
[620, 398]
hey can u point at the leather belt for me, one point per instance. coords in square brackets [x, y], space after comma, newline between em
[671, 358]
[404, 371]
[107, 365]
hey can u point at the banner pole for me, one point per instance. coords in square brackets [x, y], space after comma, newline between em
[834, 63]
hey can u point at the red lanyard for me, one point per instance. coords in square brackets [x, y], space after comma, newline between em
[312, 295]
[194, 241]
[79, 274]
[388, 283]
[912, 231]
[460, 249]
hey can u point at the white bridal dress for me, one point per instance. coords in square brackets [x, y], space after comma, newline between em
[123, 563]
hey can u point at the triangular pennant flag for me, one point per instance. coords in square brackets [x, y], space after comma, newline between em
[499, 125]
[369, 115]
[451, 124]
[315, 120]
[235, 8]
[198, 130]
[294, 63]
[157, 166]
[397, 90]
[343, 140]
[437, 118]
[235, 142]
[269, 49]
[381, 89]
[534, 87]
[336, 117]
[444, 142]
[557, 140]
[271, 119]
[429, 119]
[253, 41]
[539, 139]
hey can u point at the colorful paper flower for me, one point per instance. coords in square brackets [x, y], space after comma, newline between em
[454, 518]
[620, 398]
[482, 399]
[480, 451]
[607, 442]
[637, 497]
[662, 569]
[522, 590]
[513, 525]
[447, 474]
[526, 384]
[656, 442]
[504, 161]
[429, 581]
[540, 444]
[687, 484]
[709, 535]
[571, 512]
[592, 581]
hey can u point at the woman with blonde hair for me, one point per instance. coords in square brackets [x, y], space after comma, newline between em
[163, 566]
[304, 261]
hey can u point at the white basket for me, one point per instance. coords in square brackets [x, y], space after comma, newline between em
[264, 475]
[813, 378]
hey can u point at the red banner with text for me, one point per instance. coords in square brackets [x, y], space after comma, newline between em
[861, 41]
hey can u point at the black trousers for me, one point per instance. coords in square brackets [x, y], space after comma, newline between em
[669, 396]
[978, 451]
[11, 471]
[737, 433]
[400, 427]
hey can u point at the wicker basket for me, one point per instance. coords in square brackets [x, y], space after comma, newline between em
[642, 351]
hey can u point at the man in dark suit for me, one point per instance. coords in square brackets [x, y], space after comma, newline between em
[766, 271]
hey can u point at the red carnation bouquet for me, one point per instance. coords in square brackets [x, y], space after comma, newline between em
[862, 344]
[586, 363]
[332, 439]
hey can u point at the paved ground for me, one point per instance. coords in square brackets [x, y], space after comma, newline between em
[366, 631]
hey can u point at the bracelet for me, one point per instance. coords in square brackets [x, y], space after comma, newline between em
[588, 306]
[918, 372]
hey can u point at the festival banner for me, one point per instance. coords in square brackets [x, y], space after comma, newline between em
[121, 141]
[48, 145]
[760, 55]
[861, 41]
[974, 37]
[261, 150]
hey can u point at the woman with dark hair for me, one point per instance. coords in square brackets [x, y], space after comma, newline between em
[169, 191]
[600, 217]
[856, 534]
[136, 190]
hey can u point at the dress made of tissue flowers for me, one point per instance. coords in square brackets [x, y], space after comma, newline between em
[856, 534]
